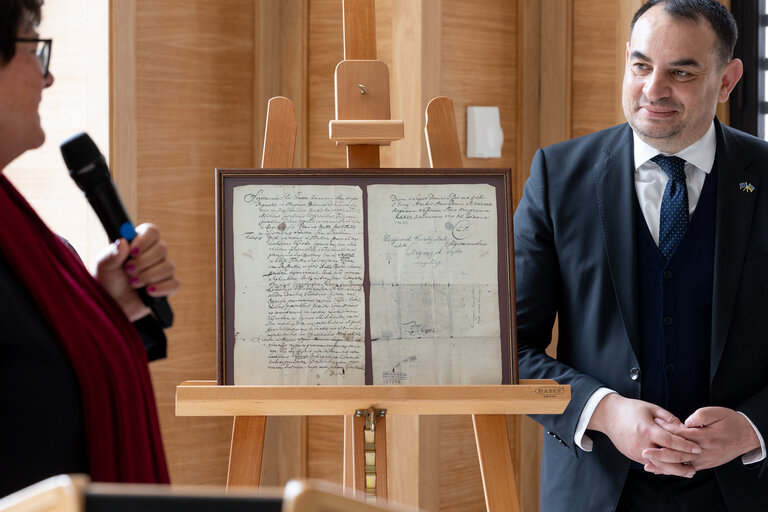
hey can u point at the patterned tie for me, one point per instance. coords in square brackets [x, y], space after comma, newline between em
[674, 204]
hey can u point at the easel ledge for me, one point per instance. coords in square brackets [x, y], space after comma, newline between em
[205, 398]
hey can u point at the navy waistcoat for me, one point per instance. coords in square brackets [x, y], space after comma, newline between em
[676, 311]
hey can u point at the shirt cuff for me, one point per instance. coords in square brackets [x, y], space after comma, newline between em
[582, 440]
[757, 454]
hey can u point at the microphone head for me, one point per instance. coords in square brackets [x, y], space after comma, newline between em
[85, 162]
[79, 151]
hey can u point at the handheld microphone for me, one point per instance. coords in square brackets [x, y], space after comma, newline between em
[88, 168]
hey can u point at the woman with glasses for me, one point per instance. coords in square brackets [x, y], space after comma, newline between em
[75, 391]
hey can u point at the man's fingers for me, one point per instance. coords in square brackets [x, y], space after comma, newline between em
[665, 439]
[665, 415]
[668, 456]
[662, 468]
[705, 416]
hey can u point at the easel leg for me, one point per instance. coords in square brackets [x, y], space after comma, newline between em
[496, 463]
[246, 451]
[349, 460]
[354, 454]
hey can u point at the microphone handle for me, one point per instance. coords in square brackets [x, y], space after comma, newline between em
[159, 306]
[117, 225]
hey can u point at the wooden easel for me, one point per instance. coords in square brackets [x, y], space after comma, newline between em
[363, 124]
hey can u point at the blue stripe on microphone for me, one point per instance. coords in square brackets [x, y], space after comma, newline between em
[127, 231]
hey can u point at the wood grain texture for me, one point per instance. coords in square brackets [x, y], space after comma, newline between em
[325, 51]
[595, 89]
[362, 90]
[461, 487]
[496, 463]
[285, 451]
[382, 463]
[348, 475]
[555, 107]
[194, 112]
[416, 34]
[123, 126]
[246, 451]
[359, 29]
[477, 70]
[413, 476]
[528, 90]
[358, 453]
[279, 134]
[529, 397]
[280, 61]
[442, 140]
[379, 132]
[325, 448]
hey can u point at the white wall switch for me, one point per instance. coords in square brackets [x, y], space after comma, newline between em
[484, 134]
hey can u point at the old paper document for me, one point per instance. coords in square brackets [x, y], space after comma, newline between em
[298, 273]
[434, 295]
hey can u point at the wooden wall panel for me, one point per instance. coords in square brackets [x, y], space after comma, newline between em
[596, 91]
[326, 49]
[325, 448]
[194, 112]
[461, 488]
[479, 42]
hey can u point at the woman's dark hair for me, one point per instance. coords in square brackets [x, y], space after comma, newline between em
[13, 15]
[711, 10]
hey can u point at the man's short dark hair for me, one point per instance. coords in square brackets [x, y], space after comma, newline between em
[13, 15]
[711, 10]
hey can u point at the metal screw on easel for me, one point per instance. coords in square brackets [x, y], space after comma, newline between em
[363, 89]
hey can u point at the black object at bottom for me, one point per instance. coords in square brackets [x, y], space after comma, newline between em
[128, 502]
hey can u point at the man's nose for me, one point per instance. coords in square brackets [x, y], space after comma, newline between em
[656, 86]
[48, 80]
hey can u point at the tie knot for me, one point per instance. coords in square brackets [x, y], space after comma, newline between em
[674, 166]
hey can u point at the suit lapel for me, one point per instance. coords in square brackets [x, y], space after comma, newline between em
[735, 207]
[616, 198]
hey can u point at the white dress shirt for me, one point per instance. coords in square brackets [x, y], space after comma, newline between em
[650, 181]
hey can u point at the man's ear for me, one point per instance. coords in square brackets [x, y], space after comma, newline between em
[729, 77]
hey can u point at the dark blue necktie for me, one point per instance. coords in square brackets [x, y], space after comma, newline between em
[674, 204]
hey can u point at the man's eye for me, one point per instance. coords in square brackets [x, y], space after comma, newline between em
[639, 66]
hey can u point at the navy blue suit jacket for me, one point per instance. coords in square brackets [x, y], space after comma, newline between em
[576, 256]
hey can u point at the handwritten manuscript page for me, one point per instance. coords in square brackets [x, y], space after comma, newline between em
[299, 301]
[299, 268]
[434, 284]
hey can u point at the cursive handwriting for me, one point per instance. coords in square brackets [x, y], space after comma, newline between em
[310, 243]
[454, 218]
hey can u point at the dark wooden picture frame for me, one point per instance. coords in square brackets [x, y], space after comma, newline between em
[228, 179]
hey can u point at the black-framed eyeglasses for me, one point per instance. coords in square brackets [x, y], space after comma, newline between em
[42, 51]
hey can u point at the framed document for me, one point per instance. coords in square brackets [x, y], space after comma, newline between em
[370, 276]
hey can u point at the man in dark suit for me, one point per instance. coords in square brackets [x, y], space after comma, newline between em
[649, 241]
